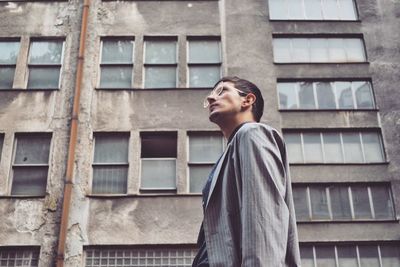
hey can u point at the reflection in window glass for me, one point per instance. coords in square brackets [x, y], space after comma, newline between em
[362, 208]
[300, 49]
[160, 77]
[204, 51]
[354, 50]
[160, 52]
[363, 92]
[337, 52]
[319, 203]
[117, 51]
[306, 95]
[300, 203]
[204, 76]
[369, 255]
[390, 256]
[372, 147]
[158, 174]
[319, 50]
[332, 148]
[307, 256]
[325, 95]
[340, 202]
[116, 77]
[325, 256]
[8, 56]
[287, 95]
[352, 148]
[344, 95]
[205, 148]
[281, 49]
[293, 142]
[45, 52]
[382, 202]
[198, 176]
[312, 147]
[347, 256]
[6, 77]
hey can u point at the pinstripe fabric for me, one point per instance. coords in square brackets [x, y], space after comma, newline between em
[249, 218]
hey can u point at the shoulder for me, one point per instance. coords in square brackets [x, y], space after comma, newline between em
[257, 130]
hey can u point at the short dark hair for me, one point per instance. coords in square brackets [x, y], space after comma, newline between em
[247, 87]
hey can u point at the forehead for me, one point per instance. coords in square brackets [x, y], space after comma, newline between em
[228, 85]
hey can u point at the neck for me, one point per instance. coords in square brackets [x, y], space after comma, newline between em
[228, 126]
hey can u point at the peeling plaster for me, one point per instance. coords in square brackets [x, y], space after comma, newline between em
[28, 216]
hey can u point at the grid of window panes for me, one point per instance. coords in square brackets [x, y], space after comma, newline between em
[158, 160]
[31, 164]
[156, 257]
[116, 67]
[110, 163]
[335, 147]
[204, 151]
[326, 95]
[23, 257]
[318, 50]
[160, 63]
[45, 64]
[312, 10]
[204, 62]
[368, 255]
[8, 60]
[338, 202]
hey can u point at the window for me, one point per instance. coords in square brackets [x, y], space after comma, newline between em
[116, 67]
[158, 160]
[8, 60]
[19, 256]
[204, 62]
[204, 151]
[312, 10]
[338, 202]
[335, 147]
[325, 95]
[143, 257]
[350, 255]
[318, 50]
[110, 163]
[160, 63]
[31, 164]
[45, 64]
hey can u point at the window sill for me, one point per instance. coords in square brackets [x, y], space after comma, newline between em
[339, 164]
[350, 221]
[21, 197]
[328, 110]
[152, 89]
[142, 195]
[315, 20]
[28, 89]
[321, 63]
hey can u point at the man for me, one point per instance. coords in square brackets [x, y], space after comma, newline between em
[249, 216]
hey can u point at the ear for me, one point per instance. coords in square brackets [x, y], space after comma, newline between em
[249, 100]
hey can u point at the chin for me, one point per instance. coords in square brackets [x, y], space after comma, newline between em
[214, 117]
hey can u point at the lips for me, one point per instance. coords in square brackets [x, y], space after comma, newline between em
[212, 106]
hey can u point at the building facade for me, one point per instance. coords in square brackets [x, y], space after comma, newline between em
[328, 71]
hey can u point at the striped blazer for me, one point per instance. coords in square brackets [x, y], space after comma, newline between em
[249, 216]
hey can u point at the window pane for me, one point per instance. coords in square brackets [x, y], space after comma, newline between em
[344, 95]
[205, 148]
[332, 148]
[382, 202]
[347, 10]
[330, 8]
[306, 95]
[319, 50]
[6, 77]
[300, 49]
[109, 179]
[340, 202]
[32, 150]
[204, 76]
[43, 78]
[372, 147]
[158, 145]
[278, 9]
[307, 256]
[29, 181]
[364, 95]
[111, 149]
[296, 10]
[204, 52]
[281, 47]
[117, 51]
[347, 256]
[313, 9]
[158, 174]
[354, 50]
[325, 95]
[369, 256]
[300, 203]
[293, 142]
[116, 77]
[160, 77]
[19, 256]
[198, 176]
[319, 203]
[336, 50]
[362, 209]
[46, 52]
[8, 52]
[160, 52]
[287, 95]
[390, 256]
[312, 147]
[352, 148]
[325, 256]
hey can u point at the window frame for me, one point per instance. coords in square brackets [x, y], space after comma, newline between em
[9, 40]
[34, 253]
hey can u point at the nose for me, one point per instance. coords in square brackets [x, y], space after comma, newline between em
[210, 99]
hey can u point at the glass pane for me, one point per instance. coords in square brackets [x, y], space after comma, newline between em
[29, 181]
[109, 179]
[312, 147]
[307, 257]
[204, 51]
[111, 149]
[116, 77]
[300, 49]
[8, 52]
[300, 203]
[287, 95]
[344, 95]
[296, 9]
[372, 147]
[319, 50]
[354, 50]
[293, 142]
[336, 50]
[369, 255]
[278, 9]
[330, 8]
[390, 256]
[325, 95]
[32, 150]
[158, 145]
[117, 51]
[347, 256]
[340, 202]
[205, 148]
[313, 9]
[382, 202]
[159, 52]
[332, 148]
[347, 10]
[325, 256]
[364, 95]
[352, 148]
[204, 76]
[46, 52]
[306, 95]
[6, 77]
[44, 78]
[160, 77]
[362, 209]
[158, 174]
[198, 176]
[319, 203]
[281, 49]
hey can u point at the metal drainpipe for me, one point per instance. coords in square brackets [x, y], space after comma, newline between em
[72, 139]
